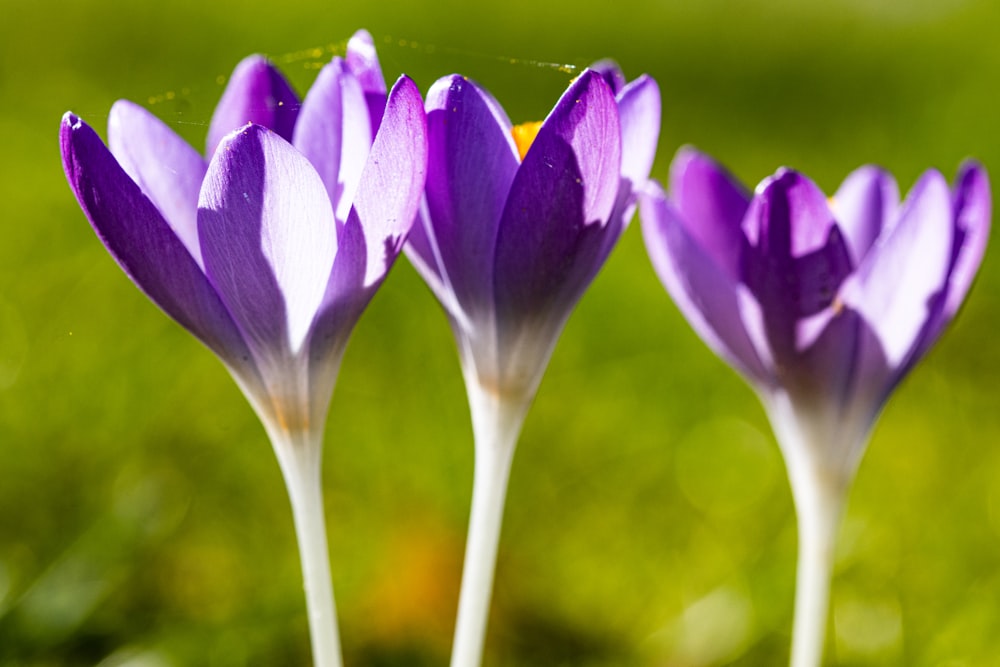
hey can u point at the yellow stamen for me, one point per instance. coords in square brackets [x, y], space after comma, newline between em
[524, 134]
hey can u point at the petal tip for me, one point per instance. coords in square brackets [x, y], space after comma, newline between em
[71, 121]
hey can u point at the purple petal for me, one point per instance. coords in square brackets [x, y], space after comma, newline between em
[257, 93]
[973, 207]
[823, 372]
[611, 73]
[363, 63]
[873, 378]
[639, 113]
[560, 201]
[145, 246]
[703, 292]
[905, 272]
[393, 179]
[712, 204]
[865, 205]
[471, 163]
[268, 237]
[163, 165]
[795, 260]
[792, 215]
[333, 130]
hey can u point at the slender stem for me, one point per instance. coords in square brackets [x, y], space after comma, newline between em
[819, 488]
[496, 422]
[818, 517]
[299, 456]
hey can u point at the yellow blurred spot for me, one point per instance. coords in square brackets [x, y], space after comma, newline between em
[414, 585]
[524, 134]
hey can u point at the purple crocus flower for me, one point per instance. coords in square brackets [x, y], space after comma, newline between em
[517, 222]
[269, 252]
[823, 305]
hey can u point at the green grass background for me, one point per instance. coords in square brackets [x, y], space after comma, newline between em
[143, 521]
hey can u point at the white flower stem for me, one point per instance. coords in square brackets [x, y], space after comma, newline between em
[496, 423]
[299, 455]
[819, 488]
[818, 513]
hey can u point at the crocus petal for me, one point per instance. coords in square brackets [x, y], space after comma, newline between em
[397, 162]
[560, 200]
[163, 165]
[611, 73]
[973, 206]
[822, 373]
[334, 131]
[795, 260]
[362, 60]
[471, 163]
[705, 294]
[257, 93]
[268, 237]
[639, 114]
[905, 272]
[865, 206]
[793, 217]
[393, 179]
[712, 204]
[145, 246]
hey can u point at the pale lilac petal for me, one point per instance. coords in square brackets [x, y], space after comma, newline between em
[144, 245]
[703, 292]
[611, 73]
[973, 209]
[471, 163]
[256, 93]
[712, 204]
[639, 114]
[866, 204]
[363, 63]
[333, 130]
[268, 237]
[559, 204]
[904, 273]
[163, 165]
[393, 179]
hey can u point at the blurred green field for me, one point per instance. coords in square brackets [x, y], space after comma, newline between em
[143, 521]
